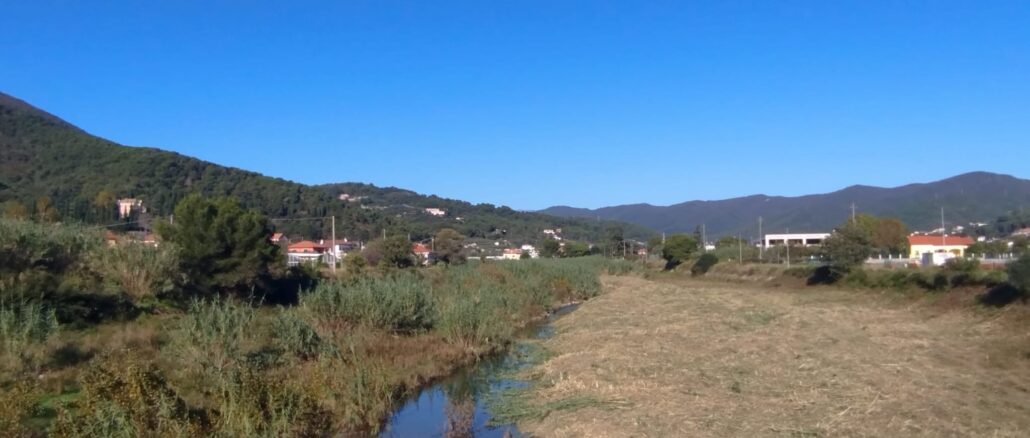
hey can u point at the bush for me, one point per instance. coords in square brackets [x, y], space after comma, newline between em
[1019, 273]
[36, 258]
[962, 265]
[293, 335]
[213, 332]
[703, 264]
[141, 272]
[677, 249]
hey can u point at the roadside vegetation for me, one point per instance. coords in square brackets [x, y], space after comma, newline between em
[209, 333]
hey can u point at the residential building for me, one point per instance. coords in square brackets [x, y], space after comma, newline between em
[511, 254]
[129, 206]
[423, 253]
[533, 253]
[307, 251]
[279, 239]
[1025, 232]
[436, 212]
[923, 244]
[339, 247]
[795, 239]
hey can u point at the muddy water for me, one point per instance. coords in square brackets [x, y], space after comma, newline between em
[456, 406]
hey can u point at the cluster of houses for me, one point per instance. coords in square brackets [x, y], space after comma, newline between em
[926, 249]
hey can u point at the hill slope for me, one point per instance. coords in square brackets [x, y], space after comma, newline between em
[42, 155]
[977, 196]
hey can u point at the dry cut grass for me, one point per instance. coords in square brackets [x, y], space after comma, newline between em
[686, 358]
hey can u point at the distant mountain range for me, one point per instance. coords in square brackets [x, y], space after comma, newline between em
[42, 155]
[970, 197]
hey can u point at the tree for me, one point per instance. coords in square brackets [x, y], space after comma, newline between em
[449, 246]
[550, 248]
[849, 246]
[396, 252]
[1019, 273]
[575, 249]
[677, 249]
[613, 239]
[104, 204]
[15, 210]
[223, 247]
[886, 234]
[45, 211]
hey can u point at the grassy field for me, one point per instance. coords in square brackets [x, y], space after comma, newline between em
[681, 357]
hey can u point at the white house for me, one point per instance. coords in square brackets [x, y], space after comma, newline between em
[436, 212]
[128, 206]
[919, 245]
[307, 251]
[533, 253]
[795, 239]
[512, 254]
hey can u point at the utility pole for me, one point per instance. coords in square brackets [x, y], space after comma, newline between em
[852, 212]
[704, 238]
[787, 241]
[336, 252]
[761, 240]
[944, 231]
[740, 250]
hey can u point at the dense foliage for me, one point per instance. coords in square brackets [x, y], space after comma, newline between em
[848, 247]
[222, 246]
[677, 249]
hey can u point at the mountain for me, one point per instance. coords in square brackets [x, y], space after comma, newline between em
[42, 155]
[970, 197]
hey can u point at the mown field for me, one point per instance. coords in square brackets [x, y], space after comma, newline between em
[685, 357]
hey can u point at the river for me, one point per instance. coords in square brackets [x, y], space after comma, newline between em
[456, 406]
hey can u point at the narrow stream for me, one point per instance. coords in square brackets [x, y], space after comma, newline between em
[456, 405]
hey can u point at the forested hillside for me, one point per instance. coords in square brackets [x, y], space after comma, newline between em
[971, 197]
[44, 156]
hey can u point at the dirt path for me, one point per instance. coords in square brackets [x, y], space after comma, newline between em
[712, 359]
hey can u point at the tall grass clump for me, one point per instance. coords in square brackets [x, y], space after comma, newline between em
[292, 334]
[141, 272]
[254, 403]
[213, 333]
[24, 323]
[476, 316]
[398, 302]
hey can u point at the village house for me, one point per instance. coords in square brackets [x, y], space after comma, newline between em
[340, 248]
[423, 253]
[436, 212]
[129, 206]
[307, 251]
[1024, 232]
[279, 239]
[929, 244]
[511, 254]
[533, 253]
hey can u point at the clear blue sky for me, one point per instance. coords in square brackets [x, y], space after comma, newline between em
[532, 104]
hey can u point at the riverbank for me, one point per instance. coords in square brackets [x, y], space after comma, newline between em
[680, 357]
[338, 362]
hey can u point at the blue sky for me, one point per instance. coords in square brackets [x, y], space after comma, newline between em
[532, 104]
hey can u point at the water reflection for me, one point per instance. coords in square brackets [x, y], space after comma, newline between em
[455, 407]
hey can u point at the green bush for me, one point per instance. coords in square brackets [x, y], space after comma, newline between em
[35, 259]
[141, 272]
[1019, 273]
[293, 335]
[213, 333]
[703, 264]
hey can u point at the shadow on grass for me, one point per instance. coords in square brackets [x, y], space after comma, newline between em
[1002, 295]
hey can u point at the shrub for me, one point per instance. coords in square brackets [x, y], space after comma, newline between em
[126, 400]
[141, 272]
[677, 249]
[962, 265]
[213, 332]
[295, 336]
[703, 264]
[1019, 273]
[35, 258]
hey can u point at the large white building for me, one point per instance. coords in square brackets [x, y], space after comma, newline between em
[795, 239]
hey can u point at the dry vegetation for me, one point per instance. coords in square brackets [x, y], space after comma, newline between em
[677, 357]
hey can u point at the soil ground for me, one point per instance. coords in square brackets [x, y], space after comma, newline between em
[680, 357]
